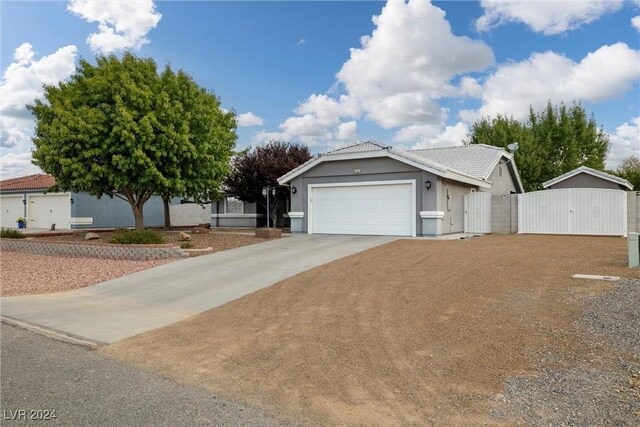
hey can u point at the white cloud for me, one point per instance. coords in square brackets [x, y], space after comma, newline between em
[346, 131]
[121, 24]
[249, 119]
[625, 142]
[547, 17]
[20, 85]
[395, 78]
[301, 41]
[22, 80]
[400, 71]
[430, 136]
[635, 23]
[513, 87]
[17, 164]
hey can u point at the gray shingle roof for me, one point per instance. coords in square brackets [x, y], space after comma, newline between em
[360, 147]
[470, 161]
[603, 175]
[477, 160]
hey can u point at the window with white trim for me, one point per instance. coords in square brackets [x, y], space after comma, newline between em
[233, 206]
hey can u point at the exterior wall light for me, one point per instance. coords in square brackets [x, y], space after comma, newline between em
[427, 184]
[294, 190]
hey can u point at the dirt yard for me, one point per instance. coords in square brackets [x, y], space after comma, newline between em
[414, 332]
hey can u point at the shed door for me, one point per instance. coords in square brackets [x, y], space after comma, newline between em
[368, 209]
[590, 211]
[11, 208]
[47, 209]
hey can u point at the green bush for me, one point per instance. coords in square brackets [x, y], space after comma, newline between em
[137, 237]
[186, 245]
[10, 233]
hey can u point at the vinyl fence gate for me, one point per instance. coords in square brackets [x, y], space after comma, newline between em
[477, 212]
[588, 211]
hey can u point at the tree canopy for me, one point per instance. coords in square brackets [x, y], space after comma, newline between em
[629, 169]
[119, 128]
[261, 167]
[552, 142]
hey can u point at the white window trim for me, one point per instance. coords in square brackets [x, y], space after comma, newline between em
[310, 188]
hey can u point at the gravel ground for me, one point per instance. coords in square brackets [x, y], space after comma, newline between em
[597, 386]
[414, 332]
[217, 241]
[23, 273]
[48, 273]
[85, 388]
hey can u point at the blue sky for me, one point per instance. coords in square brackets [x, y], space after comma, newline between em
[302, 72]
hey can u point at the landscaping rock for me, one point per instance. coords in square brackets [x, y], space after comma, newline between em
[199, 230]
[91, 236]
[184, 237]
[268, 233]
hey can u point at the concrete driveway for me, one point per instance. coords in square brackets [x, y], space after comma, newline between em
[127, 306]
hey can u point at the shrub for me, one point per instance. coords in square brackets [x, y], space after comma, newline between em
[10, 233]
[186, 245]
[137, 237]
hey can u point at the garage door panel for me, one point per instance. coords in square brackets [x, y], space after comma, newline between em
[11, 208]
[381, 209]
[47, 209]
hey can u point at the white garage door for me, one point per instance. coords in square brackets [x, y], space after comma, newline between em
[11, 208]
[379, 208]
[46, 209]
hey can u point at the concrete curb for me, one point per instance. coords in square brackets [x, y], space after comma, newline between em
[52, 333]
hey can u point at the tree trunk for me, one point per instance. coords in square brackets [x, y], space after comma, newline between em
[167, 213]
[138, 215]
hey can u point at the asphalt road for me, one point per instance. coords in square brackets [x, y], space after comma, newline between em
[82, 387]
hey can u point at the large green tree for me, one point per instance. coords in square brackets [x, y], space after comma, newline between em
[629, 169]
[552, 142]
[261, 167]
[118, 128]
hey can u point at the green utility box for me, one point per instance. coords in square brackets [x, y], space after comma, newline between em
[634, 250]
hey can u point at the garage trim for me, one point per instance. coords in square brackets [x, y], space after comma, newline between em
[310, 188]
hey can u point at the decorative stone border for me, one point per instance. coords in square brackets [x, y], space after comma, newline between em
[93, 250]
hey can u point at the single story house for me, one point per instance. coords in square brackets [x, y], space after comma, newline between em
[372, 189]
[584, 177]
[27, 197]
[231, 212]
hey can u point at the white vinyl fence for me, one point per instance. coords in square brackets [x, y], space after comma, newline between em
[587, 211]
[190, 214]
[477, 212]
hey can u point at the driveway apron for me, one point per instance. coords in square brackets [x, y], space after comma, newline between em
[150, 299]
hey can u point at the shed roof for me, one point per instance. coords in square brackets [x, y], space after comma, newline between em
[38, 181]
[590, 171]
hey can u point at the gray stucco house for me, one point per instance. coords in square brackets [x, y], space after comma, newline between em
[231, 212]
[584, 177]
[372, 189]
[27, 197]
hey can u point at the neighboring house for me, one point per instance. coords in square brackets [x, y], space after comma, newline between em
[584, 177]
[231, 212]
[27, 197]
[372, 189]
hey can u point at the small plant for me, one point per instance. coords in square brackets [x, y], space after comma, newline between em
[21, 219]
[186, 245]
[10, 233]
[137, 237]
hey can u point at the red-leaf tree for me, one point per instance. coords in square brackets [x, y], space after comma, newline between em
[261, 167]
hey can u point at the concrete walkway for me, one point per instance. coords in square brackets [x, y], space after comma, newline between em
[150, 299]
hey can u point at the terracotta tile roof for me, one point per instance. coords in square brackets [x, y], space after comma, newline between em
[31, 182]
